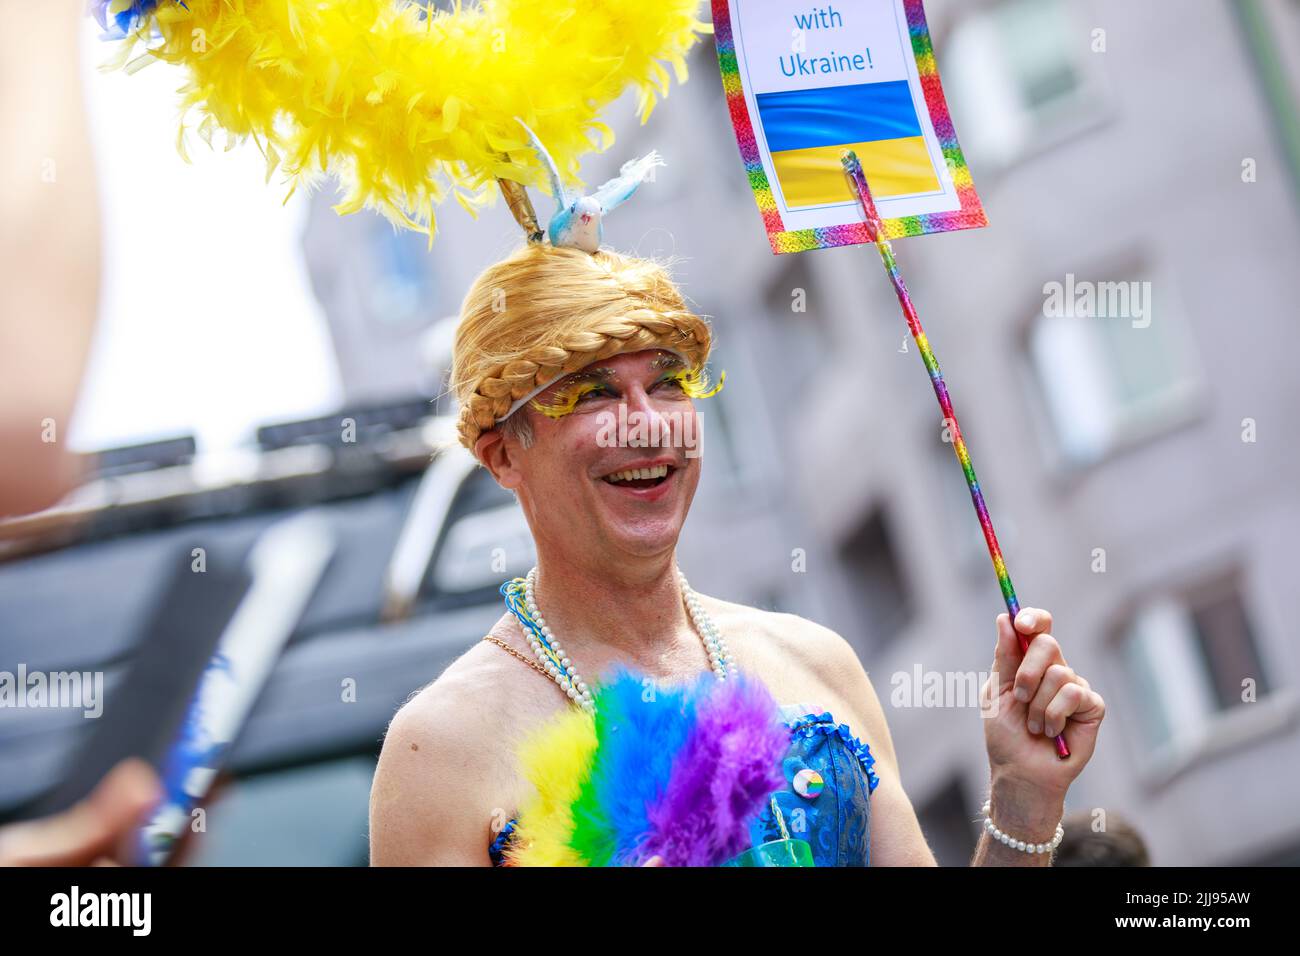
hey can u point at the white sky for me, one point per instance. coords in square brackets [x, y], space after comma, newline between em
[207, 320]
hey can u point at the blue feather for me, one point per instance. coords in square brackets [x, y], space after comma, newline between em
[638, 740]
[128, 19]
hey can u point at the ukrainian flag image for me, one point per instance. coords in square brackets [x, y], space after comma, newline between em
[808, 130]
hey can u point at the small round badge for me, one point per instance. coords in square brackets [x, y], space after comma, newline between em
[808, 783]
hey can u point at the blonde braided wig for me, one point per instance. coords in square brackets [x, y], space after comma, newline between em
[544, 312]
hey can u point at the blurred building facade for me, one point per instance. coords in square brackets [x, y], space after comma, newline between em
[1136, 464]
[1123, 457]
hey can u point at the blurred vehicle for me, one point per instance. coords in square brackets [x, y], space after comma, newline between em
[424, 539]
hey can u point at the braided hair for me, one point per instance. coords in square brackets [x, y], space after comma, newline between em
[544, 312]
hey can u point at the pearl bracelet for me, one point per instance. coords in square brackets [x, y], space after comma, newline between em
[1007, 840]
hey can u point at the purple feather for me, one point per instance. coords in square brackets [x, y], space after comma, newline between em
[727, 769]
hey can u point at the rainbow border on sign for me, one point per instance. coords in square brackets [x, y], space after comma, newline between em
[971, 215]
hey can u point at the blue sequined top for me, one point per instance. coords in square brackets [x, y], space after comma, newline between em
[835, 817]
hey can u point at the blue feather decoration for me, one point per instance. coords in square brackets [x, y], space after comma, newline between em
[640, 728]
[723, 774]
[119, 17]
[676, 771]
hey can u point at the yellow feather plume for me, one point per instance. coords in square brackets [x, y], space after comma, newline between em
[404, 109]
[557, 759]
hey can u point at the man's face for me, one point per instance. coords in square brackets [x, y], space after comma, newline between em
[629, 415]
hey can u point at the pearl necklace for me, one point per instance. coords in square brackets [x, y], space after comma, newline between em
[520, 595]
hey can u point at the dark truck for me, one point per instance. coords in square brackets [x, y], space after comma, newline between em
[422, 541]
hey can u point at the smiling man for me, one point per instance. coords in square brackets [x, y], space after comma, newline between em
[553, 346]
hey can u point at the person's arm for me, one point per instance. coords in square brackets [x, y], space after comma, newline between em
[896, 837]
[49, 248]
[425, 804]
[1023, 815]
[1028, 782]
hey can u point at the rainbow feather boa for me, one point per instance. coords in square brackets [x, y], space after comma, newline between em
[678, 772]
[402, 105]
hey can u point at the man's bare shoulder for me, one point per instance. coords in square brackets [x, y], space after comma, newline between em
[472, 687]
[446, 761]
[797, 640]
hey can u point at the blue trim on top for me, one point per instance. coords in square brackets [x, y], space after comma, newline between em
[496, 851]
[824, 723]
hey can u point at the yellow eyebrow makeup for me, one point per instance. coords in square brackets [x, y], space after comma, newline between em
[694, 383]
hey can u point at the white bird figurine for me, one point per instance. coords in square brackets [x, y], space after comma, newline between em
[578, 220]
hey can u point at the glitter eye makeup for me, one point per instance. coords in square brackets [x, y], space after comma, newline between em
[696, 384]
[567, 398]
[692, 382]
[668, 361]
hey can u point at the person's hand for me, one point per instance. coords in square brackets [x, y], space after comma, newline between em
[1029, 699]
[99, 831]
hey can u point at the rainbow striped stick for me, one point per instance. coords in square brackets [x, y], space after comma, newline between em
[854, 169]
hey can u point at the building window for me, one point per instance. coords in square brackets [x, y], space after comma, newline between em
[881, 594]
[1191, 658]
[1113, 362]
[1017, 79]
[403, 291]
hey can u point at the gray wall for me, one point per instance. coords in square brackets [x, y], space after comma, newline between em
[1138, 177]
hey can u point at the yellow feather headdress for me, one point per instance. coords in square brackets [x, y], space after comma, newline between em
[404, 104]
